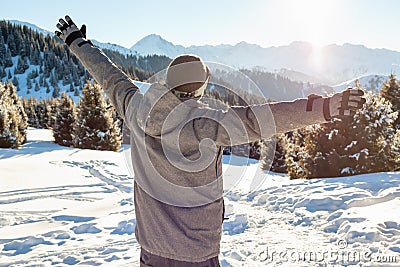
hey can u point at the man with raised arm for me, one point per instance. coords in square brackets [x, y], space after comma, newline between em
[177, 145]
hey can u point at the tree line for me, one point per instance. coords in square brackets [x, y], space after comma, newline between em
[91, 124]
[368, 142]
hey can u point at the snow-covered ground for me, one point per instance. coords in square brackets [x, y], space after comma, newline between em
[63, 206]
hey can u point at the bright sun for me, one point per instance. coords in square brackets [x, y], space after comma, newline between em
[313, 19]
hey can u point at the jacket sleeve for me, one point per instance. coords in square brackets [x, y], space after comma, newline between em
[240, 125]
[292, 115]
[118, 87]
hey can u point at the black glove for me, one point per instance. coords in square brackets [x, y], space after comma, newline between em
[69, 32]
[344, 104]
[341, 105]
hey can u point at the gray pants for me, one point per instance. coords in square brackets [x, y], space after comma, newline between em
[150, 260]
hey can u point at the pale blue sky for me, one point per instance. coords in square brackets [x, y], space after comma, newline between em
[373, 23]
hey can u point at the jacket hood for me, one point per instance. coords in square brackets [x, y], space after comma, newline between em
[160, 111]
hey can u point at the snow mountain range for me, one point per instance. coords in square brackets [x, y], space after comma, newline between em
[332, 64]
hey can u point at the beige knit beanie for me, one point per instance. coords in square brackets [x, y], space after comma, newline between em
[187, 73]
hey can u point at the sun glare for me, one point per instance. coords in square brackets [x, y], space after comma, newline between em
[317, 56]
[313, 19]
[313, 16]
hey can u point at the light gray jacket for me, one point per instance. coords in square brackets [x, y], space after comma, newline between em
[178, 186]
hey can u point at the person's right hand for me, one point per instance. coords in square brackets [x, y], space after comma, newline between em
[69, 32]
[344, 104]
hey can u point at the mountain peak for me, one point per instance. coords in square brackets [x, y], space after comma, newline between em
[153, 37]
[155, 44]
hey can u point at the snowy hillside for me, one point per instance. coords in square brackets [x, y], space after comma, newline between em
[32, 26]
[64, 206]
[109, 46]
[44, 68]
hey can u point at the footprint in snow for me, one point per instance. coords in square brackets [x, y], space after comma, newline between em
[236, 225]
[125, 227]
[25, 246]
[86, 228]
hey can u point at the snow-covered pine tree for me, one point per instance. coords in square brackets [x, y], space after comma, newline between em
[294, 148]
[310, 153]
[361, 144]
[321, 150]
[66, 118]
[43, 114]
[391, 91]
[7, 135]
[374, 137]
[95, 128]
[277, 146]
[29, 107]
[17, 104]
[324, 148]
[12, 123]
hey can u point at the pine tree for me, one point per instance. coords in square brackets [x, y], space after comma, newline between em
[20, 66]
[53, 104]
[298, 153]
[43, 114]
[12, 122]
[361, 144]
[375, 133]
[29, 107]
[37, 88]
[56, 91]
[21, 115]
[2, 72]
[276, 145]
[28, 83]
[7, 134]
[76, 92]
[391, 91]
[11, 45]
[3, 51]
[66, 118]
[95, 128]
[41, 80]
[46, 84]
